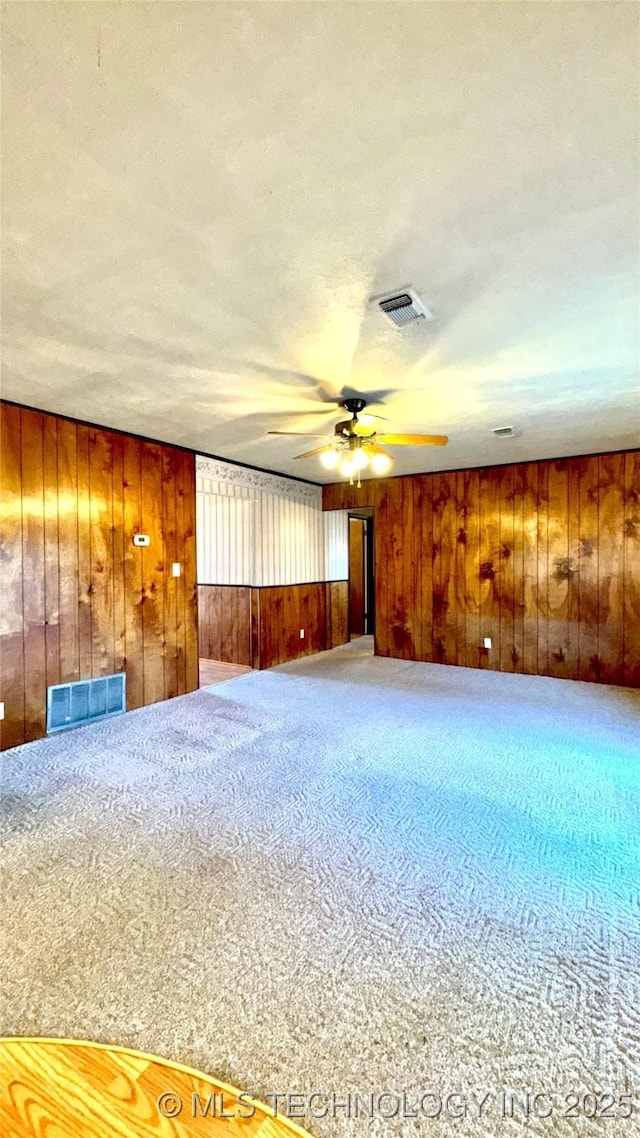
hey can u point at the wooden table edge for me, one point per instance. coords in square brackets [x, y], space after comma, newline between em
[162, 1061]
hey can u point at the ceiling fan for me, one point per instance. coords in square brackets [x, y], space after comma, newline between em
[356, 443]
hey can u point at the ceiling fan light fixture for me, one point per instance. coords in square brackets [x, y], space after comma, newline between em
[330, 459]
[348, 467]
[381, 463]
[360, 459]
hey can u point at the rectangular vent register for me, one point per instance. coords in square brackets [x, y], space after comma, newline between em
[85, 701]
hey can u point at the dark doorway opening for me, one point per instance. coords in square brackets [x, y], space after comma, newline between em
[361, 574]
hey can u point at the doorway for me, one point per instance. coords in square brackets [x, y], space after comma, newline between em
[361, 574]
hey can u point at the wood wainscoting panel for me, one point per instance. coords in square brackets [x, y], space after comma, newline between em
[224, 623]
[542, 557]
[79, 599]
[337, 610]
[284, 610]
[255, 628]
[260, 627]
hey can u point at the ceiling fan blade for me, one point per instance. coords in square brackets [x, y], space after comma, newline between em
[413, 440]
[302, 434]
[317, 450]
[366, 416]
[373, 448]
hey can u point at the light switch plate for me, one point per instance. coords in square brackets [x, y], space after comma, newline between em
[175, 569]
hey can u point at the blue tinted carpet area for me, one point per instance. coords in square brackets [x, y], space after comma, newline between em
[347, 874]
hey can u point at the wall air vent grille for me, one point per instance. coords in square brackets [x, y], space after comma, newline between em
[402, 307]
[85, 701]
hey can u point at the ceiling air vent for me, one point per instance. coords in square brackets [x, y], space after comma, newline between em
[402, 307]
[504, 432]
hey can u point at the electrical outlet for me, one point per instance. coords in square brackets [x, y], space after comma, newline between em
[487, 642]
[302, 633]
[175, 569]
[1, 711]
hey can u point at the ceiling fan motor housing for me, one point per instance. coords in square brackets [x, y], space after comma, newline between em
[354, 406]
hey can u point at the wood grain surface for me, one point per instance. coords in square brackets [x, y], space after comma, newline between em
[543, 558]
[260, 627]
[337, 611]
[67, 1089]
[224, 623]
[217, 672]
[79, 600]
[356, 577]
[283, 611]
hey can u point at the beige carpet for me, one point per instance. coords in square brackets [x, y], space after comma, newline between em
[346, 875]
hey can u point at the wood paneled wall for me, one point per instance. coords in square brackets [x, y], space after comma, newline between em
[261, 627]
[79, 600]
[283, 611]
[357, 569]
[337, 608]
[224, 623]
[543, 558]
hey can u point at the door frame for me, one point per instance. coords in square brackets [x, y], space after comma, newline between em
[369, 594]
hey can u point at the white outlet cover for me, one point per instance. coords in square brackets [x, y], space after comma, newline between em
[487, 642]
[1, 711]
[302, 633]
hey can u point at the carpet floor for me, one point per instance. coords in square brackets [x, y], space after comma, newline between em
[345, 875]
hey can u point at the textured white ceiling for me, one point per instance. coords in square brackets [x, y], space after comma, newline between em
[199, 199]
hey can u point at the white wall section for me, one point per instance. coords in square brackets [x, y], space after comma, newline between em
[336, 545]
[225, 525]
[255, 528]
